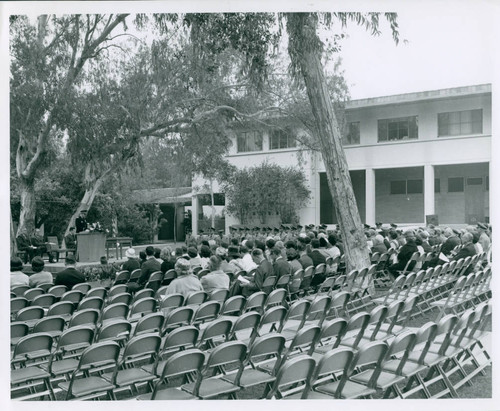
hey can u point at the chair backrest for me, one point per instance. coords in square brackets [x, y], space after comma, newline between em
[29, 313]
[298, 311]
[181, 338]
[203, 273]
[17, 304]
[156, 276]
[134, 275]
[100, 292]
[246, 321]
[116, 310]
[305, 340]
[206, 311]
[370, 353]
[122, 277]
[61, 308]
[233, 305]
[32, 293]
[113, 330]
[181, 364]
[255, 301]
[218, 329]
[41, 343]
[74, 296]
[145, 293]
[358, 321]
[320, 269]
[150, 323]
[219, 295]
[139, 347]
[97, 355]
[179, 317]
[196, 298]
[267, 345]
[333, 331]
[169, 276]
[425, 337]
[228, 353]
[274, 317]
[333, 362]
[48, 324]
[83, 287]
[339, 302]
[283, 281]
[75, 338]
[19, 290]
[308, 272]
[268, 284]
[171, 301]
[445, 328]
[319, 308]
[293, 374]
[117, 289]
[91, 302]
[18, 329]
[44, 300]
[275, 297]
[143, 306]
[84, 317]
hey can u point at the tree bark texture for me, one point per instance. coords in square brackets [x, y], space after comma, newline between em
[337, 170]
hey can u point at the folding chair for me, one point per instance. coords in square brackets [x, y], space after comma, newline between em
[306, 280]
[245, 327]
[178, 317]
[293, 379]
[144, 293]
[16, 304]
[18, 330]
[275, 297]
[169, 276]
[170, 302]
[394, 311]
[331, 334]
[150, 323]
[196, 298]
[122, 277]
[319, 309]
[100, 292]
[262, 349]
[272, 320]
[117, 289]
[32, 293]
[294, 285]
[142, 307]
[219, 295]
[207, 311]
[295, 318]
[125, 298]
[88, 317]
[25, 373]
[114, 311]
[233, 307]
[95, 303]
[355, 330]
[82, 384]
[371, 354]
[53, 326]
[203, 272]
[155, 281]
[181, 365]
[64, 359]
[377, 317]
[30, 315]
[255, 302]
[57, 290]
[283, 282]
[215, 333]
[45, 286]
[116, 330]
[19, 290]
[73, 296]
[127, 373]
[134, 276]
[268, 284]
[338, 306]
[63, 308]
[228, 354]
[83, 287]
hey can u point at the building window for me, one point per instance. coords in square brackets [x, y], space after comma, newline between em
[437, 185]
[455, 185]
[281, 139]
[351, 134]
[476, 181]
[407, 187]
[249, 141]
[487, 183]
[459, 123]
[405, 128]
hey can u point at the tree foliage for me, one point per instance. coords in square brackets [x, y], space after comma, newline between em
[266, 190]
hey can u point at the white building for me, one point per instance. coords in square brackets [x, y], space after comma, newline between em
[410, 156]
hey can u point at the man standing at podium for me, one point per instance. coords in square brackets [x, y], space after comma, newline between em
[81, 221]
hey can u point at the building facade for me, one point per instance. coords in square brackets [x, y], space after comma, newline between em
[411, 157]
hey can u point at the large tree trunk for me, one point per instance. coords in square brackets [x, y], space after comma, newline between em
[28, 206]
[337, 170]
[13, 243]
[212, 202]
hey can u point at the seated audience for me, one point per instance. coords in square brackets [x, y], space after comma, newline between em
[148, 267]
[405, 254]
[70, 275]
[205, 254]
[280, 265]
[378, 244]
[216, 279]
[194, 258]
[186, 282]
[132, 262]
[167, 260]
[17, 277]
[293, 259]
[39, 276]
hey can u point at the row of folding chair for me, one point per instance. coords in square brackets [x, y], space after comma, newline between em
[392, 368]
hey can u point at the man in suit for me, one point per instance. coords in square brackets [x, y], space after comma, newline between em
[316, 256]
[147, 268]
[70, 275]
[452, 240]
[281, 267]
[70, 239]
[40, 245]
[81, 221]
[23, 242]
[467, 250]
[264, 270]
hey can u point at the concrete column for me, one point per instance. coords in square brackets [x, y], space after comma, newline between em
[429, 201]
[370, 196]
[194, 215]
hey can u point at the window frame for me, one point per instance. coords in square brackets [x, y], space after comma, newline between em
[394, 126]
[347, 138]
[456, 178]
[405, 193]
[244, 136]
[279, 134]
[461, 123]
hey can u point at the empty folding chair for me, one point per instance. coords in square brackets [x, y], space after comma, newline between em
[356, 327]
[219, 295]
[124, 298]
[43, 300]
[142, 307]
[331, 334]
[88, 317]
[377, 317]
[73, 296]
[245, 327]
[70, 345]
[272, 320]
[25, 373]
[18, 330]
[141, 294]
[228, 354]
[263, 348]
[19, 290]
[207, 311]
[63, 308]
[179, 366]
[154, 281]
[255, 302]
[196, 298]
[338, 306]
[116, 330]
[32, 293]
[283, 282]
[127, 373]
[16, 304]
[57, 290]
[394, 311]
[371, 354]
[233, 307]
[84, 385]
[178, 317]
[83, 287]
[30, 315]
[320, 307]
[295, 318]
[122, 277]
[268, 284]
[100, 292]
[134, 276]
[170, 302]
[117, 289]
[275, 297]
[53, 326]
[114, 311]
[95, 303]
[45, 286]
[215, 333]
[150, 323]
[293, 379]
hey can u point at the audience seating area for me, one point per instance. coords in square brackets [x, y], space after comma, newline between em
[335, 340]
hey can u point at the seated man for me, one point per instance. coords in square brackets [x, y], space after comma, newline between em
[70, 275]
[17, 277]
[70, 240]
[405, 254]
[41, 247]
[148, 267]
[23, 242]
[39, 276]
[264, 270]
[216, 279]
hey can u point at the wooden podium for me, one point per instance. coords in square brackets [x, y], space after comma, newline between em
[91, 246]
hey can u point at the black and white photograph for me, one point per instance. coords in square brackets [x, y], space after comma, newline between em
[250, 201]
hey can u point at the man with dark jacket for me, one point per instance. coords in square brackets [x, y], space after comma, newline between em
[70, 275]
[452, 240]
[147, 268]
[281, 267]
[468, 250]
[316, 256]
[264, 270]
[405, 254]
